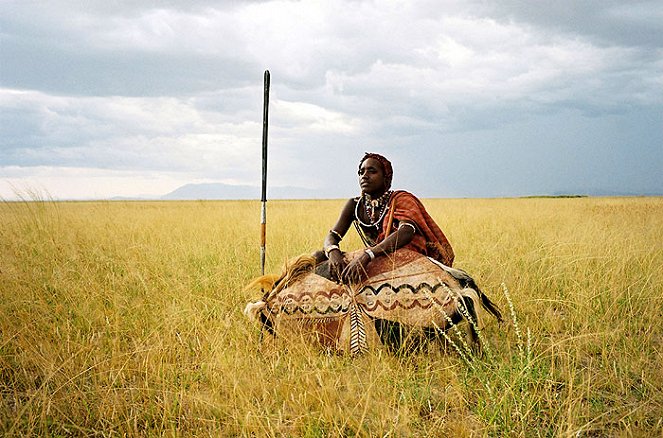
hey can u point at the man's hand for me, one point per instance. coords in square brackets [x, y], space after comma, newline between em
[336, 264]
[355, 271]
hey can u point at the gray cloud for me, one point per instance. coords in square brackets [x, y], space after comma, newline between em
[470, 86]
[606, 22]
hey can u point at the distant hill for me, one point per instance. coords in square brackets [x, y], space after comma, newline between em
[228, 191]
[220, 191]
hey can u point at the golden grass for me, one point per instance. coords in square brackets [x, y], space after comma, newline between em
[125, 318]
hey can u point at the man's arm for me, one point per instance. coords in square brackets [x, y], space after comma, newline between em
[403, 235]
[342, 225]
[333, 238]
[356, 269]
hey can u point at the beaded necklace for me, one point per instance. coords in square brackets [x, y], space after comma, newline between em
[375, 209]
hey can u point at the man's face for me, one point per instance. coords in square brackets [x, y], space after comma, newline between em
[371, 177]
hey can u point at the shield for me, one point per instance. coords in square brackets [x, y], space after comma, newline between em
[404, 292]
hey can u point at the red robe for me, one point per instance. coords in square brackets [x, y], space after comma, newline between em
[428, 239]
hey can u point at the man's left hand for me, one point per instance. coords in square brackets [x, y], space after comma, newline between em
[355, 271]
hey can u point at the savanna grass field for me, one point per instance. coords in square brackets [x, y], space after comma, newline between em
[125, 319]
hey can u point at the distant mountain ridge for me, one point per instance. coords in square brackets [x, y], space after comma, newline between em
[220, 191]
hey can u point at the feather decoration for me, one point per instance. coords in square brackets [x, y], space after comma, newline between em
[358, 343]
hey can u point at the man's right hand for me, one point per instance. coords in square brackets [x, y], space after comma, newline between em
[336, 264]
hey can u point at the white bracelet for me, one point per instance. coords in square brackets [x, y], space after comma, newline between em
[370, 253]
[330, 248]
[408, 224]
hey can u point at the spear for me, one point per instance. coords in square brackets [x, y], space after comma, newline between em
[263, 199]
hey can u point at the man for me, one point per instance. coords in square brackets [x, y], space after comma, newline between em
[386, 221]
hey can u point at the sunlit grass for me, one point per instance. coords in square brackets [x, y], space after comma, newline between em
[126, 318]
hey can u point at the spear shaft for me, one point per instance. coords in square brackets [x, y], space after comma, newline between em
[263, 199]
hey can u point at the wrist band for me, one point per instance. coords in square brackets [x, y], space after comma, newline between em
[402, 224]
[330, 248]
[370, 253]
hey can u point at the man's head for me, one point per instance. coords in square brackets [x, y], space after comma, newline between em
[375, 173]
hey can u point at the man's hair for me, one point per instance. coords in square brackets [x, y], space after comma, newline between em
[386, 166]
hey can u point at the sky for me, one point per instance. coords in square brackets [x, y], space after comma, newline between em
[474, 98]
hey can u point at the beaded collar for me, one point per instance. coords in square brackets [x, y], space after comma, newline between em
[375, 208]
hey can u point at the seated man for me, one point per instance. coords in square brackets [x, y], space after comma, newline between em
[386, 220]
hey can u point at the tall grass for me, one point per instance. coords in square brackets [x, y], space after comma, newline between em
[125, 318]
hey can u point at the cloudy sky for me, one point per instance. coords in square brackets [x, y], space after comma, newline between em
[467, 98]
